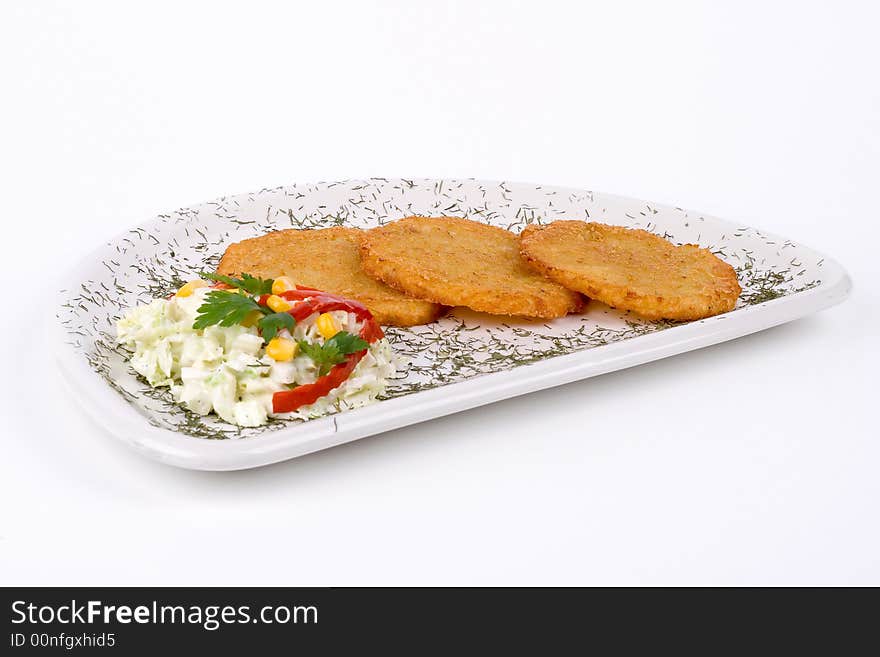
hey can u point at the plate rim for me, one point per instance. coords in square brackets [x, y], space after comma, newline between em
[125, 423]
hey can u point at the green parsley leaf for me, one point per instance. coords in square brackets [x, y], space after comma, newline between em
[271, 324]
[333, 351]
[248, 283]
[347, 343]
[314, 351]
[225, 308]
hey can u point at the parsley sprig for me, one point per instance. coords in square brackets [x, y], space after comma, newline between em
[271, 324]
[248, 283]
[333, 351]
[225, 308]
[229, 307]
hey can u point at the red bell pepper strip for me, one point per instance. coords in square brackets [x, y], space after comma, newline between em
[287, 401]
[307, 302]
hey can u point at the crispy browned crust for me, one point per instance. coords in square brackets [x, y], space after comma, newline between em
[458, 262]
[529, 229]
[633, 269]
[329, 260]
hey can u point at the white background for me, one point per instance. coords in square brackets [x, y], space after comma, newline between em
[753, 462]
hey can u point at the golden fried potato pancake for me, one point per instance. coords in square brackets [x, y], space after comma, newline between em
[632, 269]
[458, 262]
[327, 259]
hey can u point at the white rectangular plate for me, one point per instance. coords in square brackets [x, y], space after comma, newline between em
[461, 361]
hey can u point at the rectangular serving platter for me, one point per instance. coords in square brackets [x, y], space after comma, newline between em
[462, 361]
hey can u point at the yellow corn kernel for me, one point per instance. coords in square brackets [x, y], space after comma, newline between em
[251, 318]
[327, 325]
[278, 304]
[281, 349]
[191, 287]
[283, 284]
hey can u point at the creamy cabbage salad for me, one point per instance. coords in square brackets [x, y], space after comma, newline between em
[229, 369]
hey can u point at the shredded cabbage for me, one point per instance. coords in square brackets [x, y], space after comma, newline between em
[226, 369]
